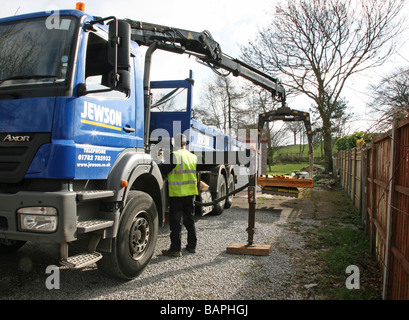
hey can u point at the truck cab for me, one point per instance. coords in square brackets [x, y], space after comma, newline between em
[78, 160]
[72, 144]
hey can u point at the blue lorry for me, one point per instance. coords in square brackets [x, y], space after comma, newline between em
[83, 128]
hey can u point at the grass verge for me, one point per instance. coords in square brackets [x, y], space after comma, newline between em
[330, 248]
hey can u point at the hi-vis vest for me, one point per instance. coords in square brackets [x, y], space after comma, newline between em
[182, 179]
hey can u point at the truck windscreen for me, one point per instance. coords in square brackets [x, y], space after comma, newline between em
[34, 52]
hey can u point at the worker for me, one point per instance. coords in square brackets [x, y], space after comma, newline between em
[182, 185]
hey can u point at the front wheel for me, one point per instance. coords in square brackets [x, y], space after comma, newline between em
[135, 243]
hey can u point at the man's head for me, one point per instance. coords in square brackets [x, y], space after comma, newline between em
[180, 141]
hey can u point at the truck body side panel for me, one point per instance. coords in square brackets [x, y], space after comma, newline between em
[201, 137]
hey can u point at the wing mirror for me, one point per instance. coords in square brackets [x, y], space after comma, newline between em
[118, 56]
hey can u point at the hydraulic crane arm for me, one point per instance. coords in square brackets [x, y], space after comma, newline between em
[205, 48]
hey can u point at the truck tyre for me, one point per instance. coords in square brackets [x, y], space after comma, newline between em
[221, 192]
[10, 246]
[230, 185]
[135, 243]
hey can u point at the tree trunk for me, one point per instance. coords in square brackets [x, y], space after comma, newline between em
[326, 133]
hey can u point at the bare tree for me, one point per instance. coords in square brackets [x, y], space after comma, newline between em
[19, 52]
[340, 118]
[220, 103]
[296, 128]
[225, 104]
[390, 98]
[260, 101]
[317, 45]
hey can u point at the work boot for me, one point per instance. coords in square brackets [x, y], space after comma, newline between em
[171, 253]
[191, 250]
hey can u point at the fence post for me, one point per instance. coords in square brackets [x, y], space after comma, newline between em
[346, 171]
[345, 176]
[372, 235]
[349, 172]
[363, 198]
[353, 176]
[389, 218]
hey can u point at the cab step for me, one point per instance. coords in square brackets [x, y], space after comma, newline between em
[94, 195]
[93, 225]
[81, 260]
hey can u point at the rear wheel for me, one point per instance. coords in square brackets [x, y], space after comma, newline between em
[221, 192]
[229, 200]
[135, 243]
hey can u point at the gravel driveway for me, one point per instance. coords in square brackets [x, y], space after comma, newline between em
[209, 274]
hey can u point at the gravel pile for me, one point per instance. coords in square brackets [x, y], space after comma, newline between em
[209, 274]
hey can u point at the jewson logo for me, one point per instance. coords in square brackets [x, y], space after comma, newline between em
[101, 116]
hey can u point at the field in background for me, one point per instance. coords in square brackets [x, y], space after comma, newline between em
[289, 159]
[294, 150]
[287, 168]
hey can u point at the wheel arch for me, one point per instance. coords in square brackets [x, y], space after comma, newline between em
[149, 184]
[230, 171]
[230, 184]
[216, 171]
[141, 174]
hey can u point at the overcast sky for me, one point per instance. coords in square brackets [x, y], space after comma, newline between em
[231, 22]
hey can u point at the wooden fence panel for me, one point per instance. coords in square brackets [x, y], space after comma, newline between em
[376, 179]
[349, 164]
[380, 206]
[398, 286]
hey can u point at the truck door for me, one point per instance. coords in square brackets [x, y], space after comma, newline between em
[105, 121]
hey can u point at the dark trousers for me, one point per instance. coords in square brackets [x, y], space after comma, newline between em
[181, 212]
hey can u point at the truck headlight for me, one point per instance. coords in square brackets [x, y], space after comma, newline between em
[38, 219]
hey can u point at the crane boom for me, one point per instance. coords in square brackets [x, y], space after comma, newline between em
[205, 48]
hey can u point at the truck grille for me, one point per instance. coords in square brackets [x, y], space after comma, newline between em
[17, 150]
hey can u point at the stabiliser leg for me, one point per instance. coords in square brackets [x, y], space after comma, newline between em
[251, 229]
[250, 248]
